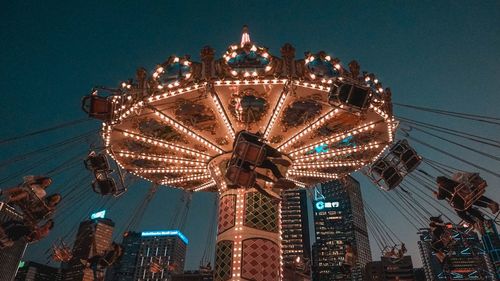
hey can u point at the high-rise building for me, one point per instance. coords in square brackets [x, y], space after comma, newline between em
[388, 269]
[32, 271]
[467, 259]
[124, 270]
[94, 237]
[419, 274]
[339, 220]
[166, 248]
[10, 257]
[491, 241]
[295, 226]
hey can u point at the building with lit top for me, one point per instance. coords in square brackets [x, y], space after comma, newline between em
[467, 260]
[94, 237]
[339, 219]
[10, 257]
[167, 248]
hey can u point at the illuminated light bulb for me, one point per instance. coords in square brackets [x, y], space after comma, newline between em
[176, 59]
[246, 74]
[124, 85]
[313, 76]
[253, 49]
[188, 75]
[233, 54]
[268, 68]
[254, 73]
[155, 75]
[338, 67]
[328, 58]
[234, 73]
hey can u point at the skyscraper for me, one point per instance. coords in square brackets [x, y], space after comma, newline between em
[11, 256]
[124, 270]
[388, 269]
[94, 237]
[32, 271]
[491, 241]
[167, 248]
[466, 260]
[295, 226]
[339, 219]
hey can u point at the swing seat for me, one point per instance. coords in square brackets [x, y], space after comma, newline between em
[471, 188]
[249, 152]
[385, 175]
[96, 162]
[240, 176]
[353, 96]
[104, 185]
[406, 155]
[33, 208]
[98, 107]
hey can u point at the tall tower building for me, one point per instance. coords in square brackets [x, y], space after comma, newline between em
[94, 237]
[124, 270]
[339, 219]
[467, 261]
[10, 257]
[167, 247]
[295, 226]
[491, 241]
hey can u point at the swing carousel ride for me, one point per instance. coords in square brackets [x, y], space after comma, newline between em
[250, 124]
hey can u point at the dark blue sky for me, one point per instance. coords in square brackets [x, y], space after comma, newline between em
[443, 54]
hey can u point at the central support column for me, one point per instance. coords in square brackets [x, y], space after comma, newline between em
[248, 237]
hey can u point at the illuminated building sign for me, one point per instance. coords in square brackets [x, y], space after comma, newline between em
[166, 233]
[320, 205]
[98, 215]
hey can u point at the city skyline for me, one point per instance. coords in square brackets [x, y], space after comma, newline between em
[422, 53]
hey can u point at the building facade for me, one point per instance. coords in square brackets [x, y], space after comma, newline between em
[339, 219]
[167, 248]
[10, 257]
[32, 271]
[124, 270]
[491, 241]
[295, 226]
[388, 269]
[94, 237]
[467, 259]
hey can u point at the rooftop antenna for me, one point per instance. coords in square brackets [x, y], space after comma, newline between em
[245, 36]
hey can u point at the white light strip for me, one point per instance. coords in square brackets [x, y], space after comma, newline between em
[292, 172]
[167, 159]
[168, 94]
[218, 173]
[204, 186]
[223, 114]
[328, 164]
[172, 170]
[186, 130]
[238, 229]
[334, 138]
[276, 112]
[298, 183]
[165, 144]
[185, 179]
[250, 82]
[330, 114]
[337, 152]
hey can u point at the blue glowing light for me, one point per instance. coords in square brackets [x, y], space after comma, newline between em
[320, 205]
[98, 215]
[166, 233]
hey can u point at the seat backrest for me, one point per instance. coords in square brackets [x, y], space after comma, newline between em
[249, 152]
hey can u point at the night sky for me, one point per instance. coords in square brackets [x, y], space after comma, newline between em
[441, 54]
